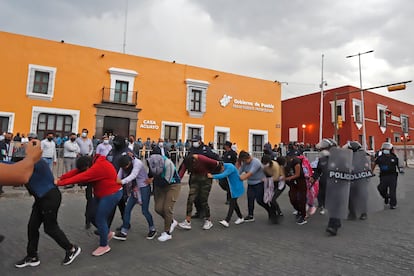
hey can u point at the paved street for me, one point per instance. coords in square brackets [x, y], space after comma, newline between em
[381, 245]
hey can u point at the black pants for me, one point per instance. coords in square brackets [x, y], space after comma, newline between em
[321, 194]
[334, 223]
[89, 197]
[45, 211]
[388, 187]
[297, 196]
[224, 184]
[256, 192]
[274, 203]
[233, 206]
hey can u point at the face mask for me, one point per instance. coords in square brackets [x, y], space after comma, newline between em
[73, 139]
[106, 142]
[84, 134]
[161, 144]
[50, 138]
[196, 144]
[386, 151]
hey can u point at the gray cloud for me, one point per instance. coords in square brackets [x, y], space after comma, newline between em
[276, 40]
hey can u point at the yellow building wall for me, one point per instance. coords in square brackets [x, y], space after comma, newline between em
[82, 72]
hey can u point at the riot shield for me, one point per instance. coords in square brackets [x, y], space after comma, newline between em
[338, 182]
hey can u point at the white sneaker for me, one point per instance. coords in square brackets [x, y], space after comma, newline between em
[207, 224]
[164, 237]
[185, 225]
[173, 225]
[295, 212]
[312, 210]
[224, 223]
[239, 221]
[322, 211]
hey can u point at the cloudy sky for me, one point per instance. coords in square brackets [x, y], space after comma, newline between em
[269, 39]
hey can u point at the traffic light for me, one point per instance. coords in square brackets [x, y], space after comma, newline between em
[396, 87]
[339, 121]
[402, 138]
[408, 138]
[388, 112]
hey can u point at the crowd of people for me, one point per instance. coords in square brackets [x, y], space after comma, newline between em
[119, 172]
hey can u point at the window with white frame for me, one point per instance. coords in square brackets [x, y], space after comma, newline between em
[192, 129]
[196, 97]
[122, 84]
[40, 82]
[6, 121]
[171, 130]
[382, 118]
[404, 124]
[340, 109]
[221, 135]
[59, 120]
[257, 139]
[357, 108]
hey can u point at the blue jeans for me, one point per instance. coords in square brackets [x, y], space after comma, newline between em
[146, 196]
[105, 206]
[49, 161]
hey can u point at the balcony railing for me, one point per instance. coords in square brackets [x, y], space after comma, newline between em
[112, 95]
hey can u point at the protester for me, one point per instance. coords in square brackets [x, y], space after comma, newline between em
[133, 176]
[45, 210]
[251, 170]
[236, 189]
[107, 192]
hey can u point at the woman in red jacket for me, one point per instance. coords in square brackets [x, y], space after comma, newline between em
[107, 192]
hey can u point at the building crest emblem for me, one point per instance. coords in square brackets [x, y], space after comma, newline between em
[225, 100]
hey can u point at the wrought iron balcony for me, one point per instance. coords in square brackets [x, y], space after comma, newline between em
[112, 95]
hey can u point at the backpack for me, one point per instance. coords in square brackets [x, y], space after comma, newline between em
[156, 164]
[306, 166]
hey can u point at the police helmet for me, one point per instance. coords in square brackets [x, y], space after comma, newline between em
[387, 146]
[353, 145]
[326, 143]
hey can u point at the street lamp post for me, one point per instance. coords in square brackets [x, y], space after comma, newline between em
[364, 133]
[303, 133]
[323, 82]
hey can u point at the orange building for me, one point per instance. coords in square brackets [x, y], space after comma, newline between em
[60, 87]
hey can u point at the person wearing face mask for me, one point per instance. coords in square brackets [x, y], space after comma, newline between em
[70, 153]
[104, 148]
[85, 144]
[162, 148]
[389, 165]
[49, 150]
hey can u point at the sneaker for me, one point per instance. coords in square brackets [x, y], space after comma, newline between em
[173, 225]
[185, 225]
[239, 221]
[1, 238]
[207, 224]
[363, 216]
[164, 237]
[224, 223]
[110, 235]
[151, 234]
[71, 255]
[301, 221]
[101, 250]
[393, 207]
[322, 211]
[120, 236]
[312, 210]
[28, 261]
[295, 212]
[249, 219]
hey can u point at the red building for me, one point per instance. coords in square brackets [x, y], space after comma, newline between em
[385, 118]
